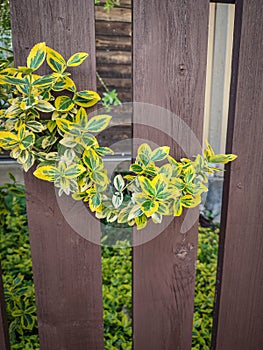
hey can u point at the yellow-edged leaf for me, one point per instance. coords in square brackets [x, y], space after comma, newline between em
[8, 140]
[63, 103]
[77, 59]
[44, 106]
[98, 123]
[36, 56]
[55, 61]
[86, 98]
[47, 173]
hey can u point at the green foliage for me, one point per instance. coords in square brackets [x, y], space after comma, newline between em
[5, 29]
[109, 4]
[68, 154]
[117, 296]
[116, 274]
[110, 98]
[17, 267]
[205, 288]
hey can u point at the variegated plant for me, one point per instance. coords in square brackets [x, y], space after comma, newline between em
[67, 153]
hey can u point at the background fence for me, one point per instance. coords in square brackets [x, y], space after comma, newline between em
[169, 70]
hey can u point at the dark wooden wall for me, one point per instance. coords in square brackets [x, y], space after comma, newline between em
[169, 70]
[240, 299]
[114, 48]
[66, 267]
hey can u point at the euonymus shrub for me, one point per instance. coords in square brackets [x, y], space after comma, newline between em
[63, 145]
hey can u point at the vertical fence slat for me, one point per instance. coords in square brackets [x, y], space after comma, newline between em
[4, 336]
[240, 304]
[169, 70]
[66, 267]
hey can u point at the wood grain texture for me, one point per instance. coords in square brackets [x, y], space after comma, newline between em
[106, 42]
[240, 320]
[117, 71]
[113, 28]
[66, 267]
[4, 335]
[113, 57]
[114, 15]
[169, 70]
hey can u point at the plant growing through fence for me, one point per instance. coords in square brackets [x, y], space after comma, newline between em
[63, 145]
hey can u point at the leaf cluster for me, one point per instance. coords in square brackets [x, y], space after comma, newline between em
[17, 267]
[44, 121]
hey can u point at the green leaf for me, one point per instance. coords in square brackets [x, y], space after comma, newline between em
[45, 81]
[136, 168]
[86, 98]
[117, 199]
[222, 158]
[47, 173]
[141, 222]
[135, 212]
[27, 141]
[36, 56]
[77, 59]
[55, 61]
[8, 139]
[144, 153]
[35, 126]
[118, 183]
[44, 106]
[74, 171]
[160, 153]
[147, 186]
[63, 104]
[98, 123]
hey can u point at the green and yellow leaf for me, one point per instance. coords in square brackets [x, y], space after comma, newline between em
[63, 104]
[77, 59]
[86, 98]
[47, 173]
[98, 123]
[37, 56]
[55, 61]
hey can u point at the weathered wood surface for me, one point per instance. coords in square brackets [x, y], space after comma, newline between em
[105, 42]
[114, 15]
[4, 336]
[66, 267]
[169, 70]
[113, 28]
[113, 45]
[113, 57]
[240, 323]
[117, 71]
[113, 82]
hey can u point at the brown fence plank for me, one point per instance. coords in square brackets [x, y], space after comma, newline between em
[66, 267]
[169, 70]
[240, 323]
[4, 336]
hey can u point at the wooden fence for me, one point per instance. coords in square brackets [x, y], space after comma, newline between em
[171, 73]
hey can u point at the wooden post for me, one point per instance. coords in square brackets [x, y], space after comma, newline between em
[169, 70]
[4, 336]
[238, 324]
[66, 267]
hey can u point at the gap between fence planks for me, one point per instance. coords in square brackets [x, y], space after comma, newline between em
[66, 267]
[169, 70]
[240, 306]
